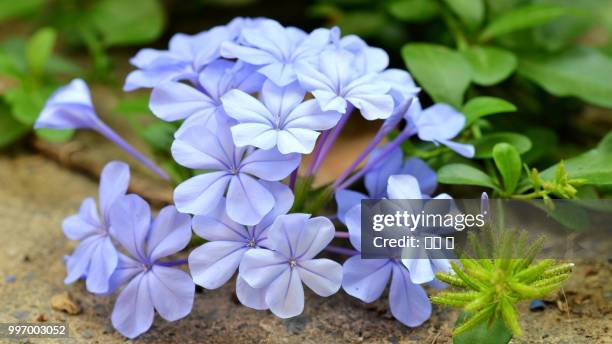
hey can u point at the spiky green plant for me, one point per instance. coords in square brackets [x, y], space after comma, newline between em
[491, 288]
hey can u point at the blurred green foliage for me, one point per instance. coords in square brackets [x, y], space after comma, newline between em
[32, 70]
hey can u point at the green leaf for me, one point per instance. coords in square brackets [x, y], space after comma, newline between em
[497, 333]
[471, 12]
[442, 72]
[120, 22]
[413, 10]
[479, 107]
[594, 166]
[508, 162]
[10, 129]
[10, 9]
[462, 174]
[522, 18]
[490, 65]
[39, 49]
[570, 215]
[484, 146]
[544, 142]
[581, 72]
[55, 135]
[26, 104]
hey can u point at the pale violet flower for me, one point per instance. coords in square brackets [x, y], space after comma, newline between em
[70, 107]
[172, 100]
[404, 187]
[276, 49]
[150, 283]
[439, 124]
[403, 87]
[377, 177]
[294, 240]
[95, 258]
[366, 279]
[367, 59]
[281, 118]
[232, 171]
[215, 262]
[335, 84]
[184, 59]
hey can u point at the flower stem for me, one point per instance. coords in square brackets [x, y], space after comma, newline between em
[317, 151]
[173, 263]
[341, 250]
[110, 134]
[332, 138]
[403, 136]
[339, 234]
[380, 135]
[293, 179]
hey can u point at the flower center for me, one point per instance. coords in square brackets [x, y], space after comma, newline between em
[292, 262]
[251, 243]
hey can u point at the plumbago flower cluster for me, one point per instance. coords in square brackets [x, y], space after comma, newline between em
[254, 97]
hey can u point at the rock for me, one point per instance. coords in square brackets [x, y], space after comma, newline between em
[537, 306]
[21, 314]
[66, 303]
[87, 334]
[10, 278]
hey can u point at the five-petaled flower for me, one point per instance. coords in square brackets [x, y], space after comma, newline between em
[281, 119]
[438, 123]
[276, 49]
[335, 84]
[186, 56]
[173, 100]
[366, 279]
[95, 258]
[400, 187]
[294, 240]
[150, 283]
[215, 262]
[234, 171]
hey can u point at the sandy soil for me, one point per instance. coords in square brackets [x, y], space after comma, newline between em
[36, 194]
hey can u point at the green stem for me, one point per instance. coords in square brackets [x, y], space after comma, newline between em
[454, 27]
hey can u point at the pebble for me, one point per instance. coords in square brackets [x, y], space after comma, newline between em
[10, 278]
[537, 305]
[66, 303]
[21, 314]
[87, 334]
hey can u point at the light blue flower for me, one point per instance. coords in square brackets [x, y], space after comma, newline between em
[376, 179]
[186, 56]
[95, 258]
[276, 49]
[150, 283]
[335, 83]
[294, 240]
[172, 100]
[70, 107]
[367, 59]
[403, 187]
[230, 170]
[215, 262]
[439, 124]
[279, 119]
